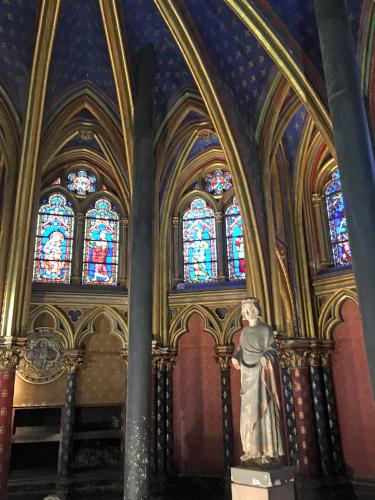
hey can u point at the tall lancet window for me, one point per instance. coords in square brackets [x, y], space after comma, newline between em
[100, 251]
[337, 222]
[199, 243]
[54, 241]
[235, 242]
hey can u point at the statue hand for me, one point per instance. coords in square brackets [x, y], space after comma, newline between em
[236, 364]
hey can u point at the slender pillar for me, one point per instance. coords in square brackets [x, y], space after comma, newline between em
[295, 357]
[165, 359]
[354, 153]
[321, 239]
[78, 262]
[9, 359]
[289, 414]
[73, 358]
[124, 252]
[224, 356]
[220, 245]
[320, 412]
[333, 424]
[138, 408]
[168, 366]
[176, 251]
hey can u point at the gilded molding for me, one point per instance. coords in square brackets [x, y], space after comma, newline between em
[257, 282]
[286, 63]
[73, 359]
[224, 356]
[11, 353]
[293, 359]
[18, 292]
[121, 75]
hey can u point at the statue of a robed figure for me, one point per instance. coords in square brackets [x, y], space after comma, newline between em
[260, 417]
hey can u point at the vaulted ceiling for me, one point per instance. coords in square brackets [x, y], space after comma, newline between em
[235, 56]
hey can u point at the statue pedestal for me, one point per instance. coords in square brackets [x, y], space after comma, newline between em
[259, 484]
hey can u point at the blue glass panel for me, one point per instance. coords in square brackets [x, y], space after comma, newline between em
[199, 243]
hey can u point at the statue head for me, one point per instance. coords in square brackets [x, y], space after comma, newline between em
[250, 309]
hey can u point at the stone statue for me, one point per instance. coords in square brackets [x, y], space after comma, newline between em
[260, 421]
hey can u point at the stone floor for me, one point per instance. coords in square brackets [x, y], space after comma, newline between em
[184, 488]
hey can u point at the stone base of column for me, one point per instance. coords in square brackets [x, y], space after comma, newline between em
[262, 484]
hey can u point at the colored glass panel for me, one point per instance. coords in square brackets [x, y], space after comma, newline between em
[199, 243]
[81, 183]
[235, 242]
[53, 244]
[338, 229]
[218, 182]
[101, 248]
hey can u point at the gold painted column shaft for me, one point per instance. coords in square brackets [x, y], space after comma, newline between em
[17, 294]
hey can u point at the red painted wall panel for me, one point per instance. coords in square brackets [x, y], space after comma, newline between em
[355, 404]
[197, 416]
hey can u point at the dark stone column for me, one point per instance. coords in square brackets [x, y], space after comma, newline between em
[289, 414]
[9, 359]
[138, 407]
[320, 412]
[73, 358]
[333, 424]
[294, 356]
[224, 356]
[354, 153]
[164, 362]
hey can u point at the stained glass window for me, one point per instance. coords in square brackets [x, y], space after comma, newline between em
[53, 245]
[337, 222]
[199, 243]
[100, 252]
[235, 242]
[81, 183]
[218, 182]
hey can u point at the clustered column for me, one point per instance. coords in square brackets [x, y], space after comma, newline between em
[73, 359]
[310, 408]
[224, 356]
[164, 360]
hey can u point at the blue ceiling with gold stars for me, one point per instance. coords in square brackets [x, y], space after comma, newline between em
[18, 25]
[241, 63]
[80, 55]
[292, 136]
[144, 25]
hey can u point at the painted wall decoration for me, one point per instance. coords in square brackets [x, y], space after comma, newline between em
[100, 252]
[235, 242]
[81, 183]
[199, 243]
[43, 360]
[53, 245]
[338, 228]
[218, 182]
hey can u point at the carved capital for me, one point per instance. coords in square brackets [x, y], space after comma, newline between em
[313, 358]
[316, 198]
[176, 222]
[73, 359]
[326, 358]
[219, 216]
[293, 359]
[80, 217]
[223, 356]
[163, 358]
[125, 222]
[11, 354]
[125, 353]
